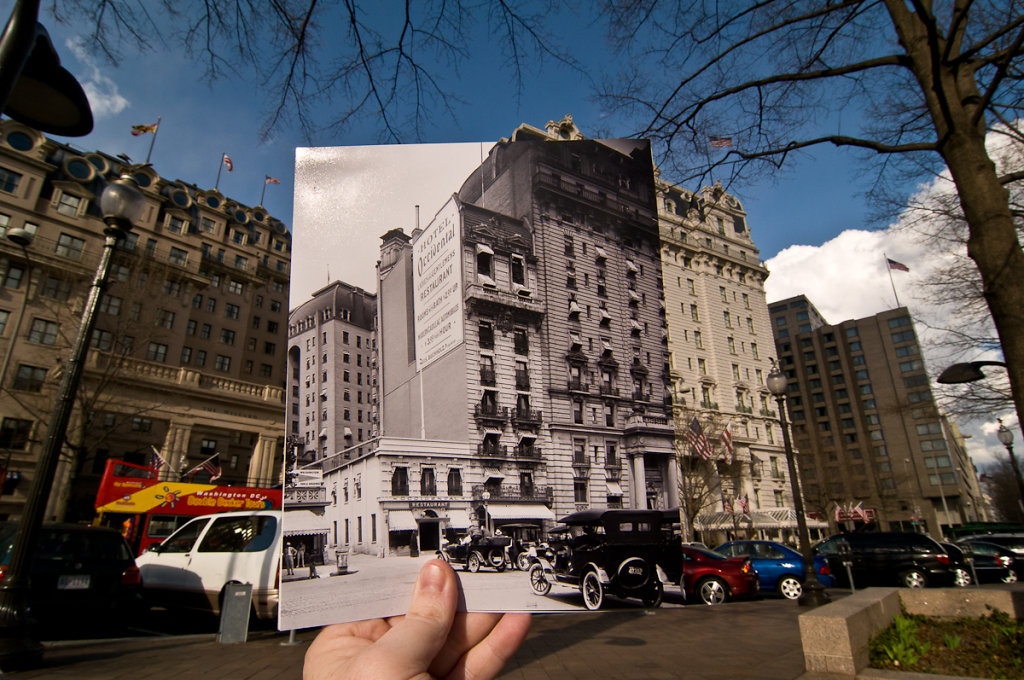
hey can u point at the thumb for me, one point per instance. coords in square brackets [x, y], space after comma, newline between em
[414, 641]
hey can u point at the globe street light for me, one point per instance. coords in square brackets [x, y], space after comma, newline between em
[1006, 439]
[121, 203]
[814, 594]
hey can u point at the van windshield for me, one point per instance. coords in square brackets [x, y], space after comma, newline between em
[240, 534]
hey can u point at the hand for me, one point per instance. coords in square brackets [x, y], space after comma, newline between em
[431, 640]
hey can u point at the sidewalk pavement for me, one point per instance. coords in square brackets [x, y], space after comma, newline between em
[755, 639]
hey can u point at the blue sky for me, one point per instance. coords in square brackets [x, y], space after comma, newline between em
[809, 221]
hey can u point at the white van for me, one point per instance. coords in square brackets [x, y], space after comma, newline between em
[194, 564]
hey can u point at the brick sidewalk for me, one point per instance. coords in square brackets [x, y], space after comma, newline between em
[758, 639]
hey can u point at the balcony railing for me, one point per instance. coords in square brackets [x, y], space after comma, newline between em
[740, 408]
[530, 452]
[305, 496]
[608, 390]
[499, 450]
[527, 416]
[515, 492]
[497, 414]
[578, 386]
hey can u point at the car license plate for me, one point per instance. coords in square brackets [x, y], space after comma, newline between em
[74, 582]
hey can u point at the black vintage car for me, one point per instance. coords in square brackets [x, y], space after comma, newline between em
[477, 550]
[604, 551]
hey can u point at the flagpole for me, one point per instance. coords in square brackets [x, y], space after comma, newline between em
[156, 131]
[891, 281]
[220, 167]
[264, 192]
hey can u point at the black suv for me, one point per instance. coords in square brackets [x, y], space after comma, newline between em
[885, 558]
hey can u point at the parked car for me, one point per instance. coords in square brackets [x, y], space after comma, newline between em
[604, 552]
[79, 575]
[988, 555]
[477, 550]
[882, 558]
[708, 576]
[523, 536]
[780, 569]
[192, 566]
[1014, 542]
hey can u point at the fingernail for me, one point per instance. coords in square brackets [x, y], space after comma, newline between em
[432, 577]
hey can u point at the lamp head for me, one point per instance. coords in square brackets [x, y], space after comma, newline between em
[776, 381]
[1004, 435]
[965, 372]
[121, 204]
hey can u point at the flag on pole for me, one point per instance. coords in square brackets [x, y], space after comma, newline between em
[271, 180]
[727, 442]
[727, 505]
[211, 465]
[898, 266]
[696, 439]
[156, 461]
[859, 511]
[138, 130]
[720, 142]
[744, 503]
[227, 162]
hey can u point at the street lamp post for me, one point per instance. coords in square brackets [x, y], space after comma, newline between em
[814, 594]
[121, 203]
[1006, 439]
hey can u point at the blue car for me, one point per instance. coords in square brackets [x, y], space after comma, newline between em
[779, 567]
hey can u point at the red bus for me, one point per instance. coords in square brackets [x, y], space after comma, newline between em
[148, 509]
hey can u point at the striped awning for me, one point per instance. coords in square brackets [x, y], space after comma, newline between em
[304, 523]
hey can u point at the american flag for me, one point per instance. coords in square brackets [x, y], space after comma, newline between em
[696, 439]
[744, 504]
[898, 266]
[143, 129]
[228, 163]
[727, 505]
[156, 461]
[727, 442]
[271, 180]
[211, 465]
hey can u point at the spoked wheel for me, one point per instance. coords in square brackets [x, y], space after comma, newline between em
[539, 581]
[496, 558]
[913, 579]
[653, 599]
[593, 591]
[790, 587]
[712, 591]
[523, 561]
[473, 562]
[444, 556]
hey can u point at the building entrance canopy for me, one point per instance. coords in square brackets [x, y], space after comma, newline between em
[520, 511]
[777, 518]
[304, 523]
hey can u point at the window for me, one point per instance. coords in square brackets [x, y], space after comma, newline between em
[270, 348]
[14, 432]
[110, 304]
[68, 205]
[272, 328]
[59, 289]
[454, 482]
[207, 225]
[156, 352]
[428, 485]
[698, 340]
[9, 180]
[241, 262]
[186, 355]
[205, 331]
[43, 332]
[166, 319]
[236, 287]
[172, 288]
[4, 315]
[190, 327]
[222, 363]
[227, 336]
[231, 311]
[15, 273]
[29, 378]
[694, 314]
[579, 490]
[201, 357]
[178, 257]
[275, 306]
[69, 246]
[522, 344]
[211, 305]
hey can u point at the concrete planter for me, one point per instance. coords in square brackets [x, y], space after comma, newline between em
[835, 637]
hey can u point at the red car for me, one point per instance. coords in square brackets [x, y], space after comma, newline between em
[707, 576]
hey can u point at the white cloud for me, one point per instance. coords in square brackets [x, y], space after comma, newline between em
[847, 278]
[104, 96]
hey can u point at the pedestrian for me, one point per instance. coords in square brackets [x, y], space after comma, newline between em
[432, 640]
[289, 559]
[302, 555]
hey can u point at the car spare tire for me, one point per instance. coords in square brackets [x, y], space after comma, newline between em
[634, 573]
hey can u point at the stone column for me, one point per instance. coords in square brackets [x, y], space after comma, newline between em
[672, 499]
[263, 461]
[638, 481]
[175, 450]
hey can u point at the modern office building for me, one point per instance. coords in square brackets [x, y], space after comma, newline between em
[873, 444]
[188, 351]
[721, 348]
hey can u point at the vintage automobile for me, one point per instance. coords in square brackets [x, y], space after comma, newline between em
[603, 552]
[477, 550]
[523, 537]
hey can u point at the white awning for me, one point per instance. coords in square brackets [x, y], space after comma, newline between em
[348, 431]
[481, 248]
[632, 267]
[607, 346]
[459, 519]
[323, 433]
[491, 430]
[605, 314]
[576, 339]
[401, 520]
[601, 255]
[613, 488]
[519, 511]
[304, 523]
[633, 295]
[529, 437]
[574, 307]
[636, 325]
